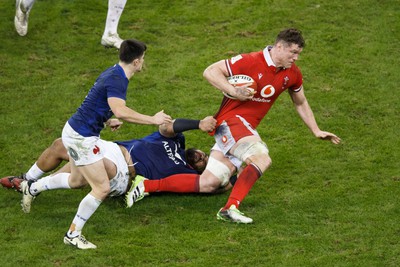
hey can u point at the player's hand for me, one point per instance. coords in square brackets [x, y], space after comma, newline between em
[208, 124]
[328, 136]
[114, 124]
[244, 92]
[161, 118]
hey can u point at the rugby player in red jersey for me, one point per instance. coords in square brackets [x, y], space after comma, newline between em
[237, 140]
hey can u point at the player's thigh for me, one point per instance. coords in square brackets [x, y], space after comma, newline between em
[246, 139]
[96, 175]
[76, 179]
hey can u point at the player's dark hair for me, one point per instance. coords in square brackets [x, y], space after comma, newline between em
[190, 156]
[131, 49]
[291, 36]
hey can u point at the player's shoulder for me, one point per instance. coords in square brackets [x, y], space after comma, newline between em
[252, 56]
[114, 74]
[295, 70]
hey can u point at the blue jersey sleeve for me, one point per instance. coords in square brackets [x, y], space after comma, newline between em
[116, 84]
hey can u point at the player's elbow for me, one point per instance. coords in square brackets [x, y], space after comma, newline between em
[206, 73]
[167, 130]
[119, 113]
[209, 71]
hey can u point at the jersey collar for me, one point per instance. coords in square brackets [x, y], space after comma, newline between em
[267, 56]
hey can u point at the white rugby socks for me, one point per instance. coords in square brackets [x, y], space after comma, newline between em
[34, 173]
[115, 9]
[26, 5]
[57, 181]
[87, 207]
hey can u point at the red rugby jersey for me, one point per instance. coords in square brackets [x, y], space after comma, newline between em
[270, 84]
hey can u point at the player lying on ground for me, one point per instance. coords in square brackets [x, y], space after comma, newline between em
[154, 156]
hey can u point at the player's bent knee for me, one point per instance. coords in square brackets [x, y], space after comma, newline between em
[248, 149]
[219, 170]
[209, 183]
[263, 162]
[57, 144]
[254, 152]
[101, 192]
[59, 149]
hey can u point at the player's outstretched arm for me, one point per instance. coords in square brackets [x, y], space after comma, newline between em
[121, 111]
[180, 125]
[306, 114]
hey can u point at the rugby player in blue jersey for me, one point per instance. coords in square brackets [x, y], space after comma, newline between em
[81, 135]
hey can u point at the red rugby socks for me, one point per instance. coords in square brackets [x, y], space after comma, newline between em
[244, 183]
[178, 183]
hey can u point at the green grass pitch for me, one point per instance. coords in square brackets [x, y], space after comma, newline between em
[318, 205]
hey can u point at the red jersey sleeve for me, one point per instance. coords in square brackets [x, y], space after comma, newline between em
[298, 79]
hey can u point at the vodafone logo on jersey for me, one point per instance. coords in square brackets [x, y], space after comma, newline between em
[267, 91]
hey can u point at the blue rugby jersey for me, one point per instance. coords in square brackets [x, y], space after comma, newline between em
[156, 156]
[89, 118]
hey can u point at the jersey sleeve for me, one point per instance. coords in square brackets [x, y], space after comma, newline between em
[298, 81]
[116, 87]
[239, 64]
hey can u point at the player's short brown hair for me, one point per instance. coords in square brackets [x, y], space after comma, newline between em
[291, 36]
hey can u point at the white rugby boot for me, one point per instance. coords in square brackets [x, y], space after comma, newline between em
[111, 40]
[21, 18]
[79, 242]
[233, 215]
[27, 197]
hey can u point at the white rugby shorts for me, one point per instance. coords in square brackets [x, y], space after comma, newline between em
[87, 150]
[234, 160]
[83, 150]
[119, 183]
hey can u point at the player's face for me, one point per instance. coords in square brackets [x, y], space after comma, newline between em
[200, 161]
[139, 63]
[288, 54]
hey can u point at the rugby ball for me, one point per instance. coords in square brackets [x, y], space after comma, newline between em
[240, 80]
